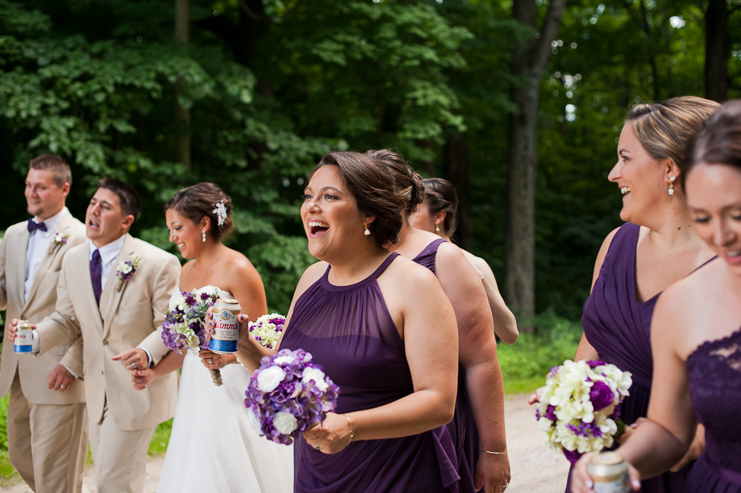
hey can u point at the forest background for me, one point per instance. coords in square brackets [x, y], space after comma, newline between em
[250, 93]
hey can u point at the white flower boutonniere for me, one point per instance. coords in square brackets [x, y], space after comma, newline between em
[126, 270]
[57, 241]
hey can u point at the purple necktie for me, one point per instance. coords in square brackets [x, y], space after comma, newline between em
[95, 274]
[33, 226]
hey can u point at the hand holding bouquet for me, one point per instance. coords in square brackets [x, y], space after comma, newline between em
[579, 409]
[267, 329]
[288, 395]
[183, 327]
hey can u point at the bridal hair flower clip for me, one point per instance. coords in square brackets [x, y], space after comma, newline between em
[126, 270]
[57, 241]
[220, 212]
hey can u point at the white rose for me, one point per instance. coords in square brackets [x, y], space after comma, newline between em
[126, 268]
[317, 376]
[283, 360]
[270, 378]
[254, 421]
[285, 423]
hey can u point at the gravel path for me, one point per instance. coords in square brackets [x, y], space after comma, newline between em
[535, 467]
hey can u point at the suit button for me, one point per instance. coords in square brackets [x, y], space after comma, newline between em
[105, 343]
[101, 372]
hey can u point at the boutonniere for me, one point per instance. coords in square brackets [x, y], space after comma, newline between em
[57, 241]
[126, 270]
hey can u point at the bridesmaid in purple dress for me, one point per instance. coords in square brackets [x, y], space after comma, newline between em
[366, 315]
[478, 425]
[696, 330]
[655, 248]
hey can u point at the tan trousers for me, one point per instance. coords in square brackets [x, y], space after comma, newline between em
[119, 456]
[47, 444]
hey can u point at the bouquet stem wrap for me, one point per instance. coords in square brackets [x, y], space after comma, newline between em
[216, 377]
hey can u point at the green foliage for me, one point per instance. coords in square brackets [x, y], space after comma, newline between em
[158, 445]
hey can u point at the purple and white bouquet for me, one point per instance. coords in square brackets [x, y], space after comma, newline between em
[183, 327]
[288, 395]
[267, 329]
[579, 409]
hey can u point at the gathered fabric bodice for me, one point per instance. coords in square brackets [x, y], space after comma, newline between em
[350, 332]
[714, 372]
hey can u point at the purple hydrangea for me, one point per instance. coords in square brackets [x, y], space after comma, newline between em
[297, 396]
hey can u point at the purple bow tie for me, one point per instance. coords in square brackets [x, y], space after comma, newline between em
[33, 226]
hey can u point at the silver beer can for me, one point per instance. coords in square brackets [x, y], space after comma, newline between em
[23, 337]
[226, 326]
[609, 471]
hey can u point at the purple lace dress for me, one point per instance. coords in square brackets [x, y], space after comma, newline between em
[349, 331]
[714, 371]
[619, 328]
[463, 427]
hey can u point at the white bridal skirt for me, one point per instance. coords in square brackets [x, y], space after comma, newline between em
[212, 447]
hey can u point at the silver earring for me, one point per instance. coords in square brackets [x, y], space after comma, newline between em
[367, 231]
[437, 228]
[203, 235]
[671, 185]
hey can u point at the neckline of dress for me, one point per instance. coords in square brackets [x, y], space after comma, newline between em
[379, 270]
[713, 342]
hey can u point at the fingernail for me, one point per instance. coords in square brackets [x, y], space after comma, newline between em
[588, 483]
[636, 483]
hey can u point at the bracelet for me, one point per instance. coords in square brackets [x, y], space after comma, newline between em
[495, 453]
[352, 432]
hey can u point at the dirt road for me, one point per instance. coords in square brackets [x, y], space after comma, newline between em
[535, 467]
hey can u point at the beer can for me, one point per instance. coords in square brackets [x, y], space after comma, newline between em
[609, 471]
[226, 327]
[23, 337]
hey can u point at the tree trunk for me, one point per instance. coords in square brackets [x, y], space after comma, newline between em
[455, 170]
[182, 115]
[717, 50]
[528, 63]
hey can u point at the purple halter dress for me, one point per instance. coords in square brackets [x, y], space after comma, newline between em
[463, 427]
[619, 328]
[349, 331]
[714, 371]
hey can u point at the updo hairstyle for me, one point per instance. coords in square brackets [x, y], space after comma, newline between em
[719, 140]
[441, 196]
[407, 182]
[201, 200]
[664, 129]
[373, 189]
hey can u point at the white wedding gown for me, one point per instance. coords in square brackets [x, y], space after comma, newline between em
[212, 447]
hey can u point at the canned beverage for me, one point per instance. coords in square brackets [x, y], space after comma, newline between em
[609, 471]
[226, 327]
[23, 337]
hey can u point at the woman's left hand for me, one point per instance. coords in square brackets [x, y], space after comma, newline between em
[492, 472]
[330, 436]
[215, 361]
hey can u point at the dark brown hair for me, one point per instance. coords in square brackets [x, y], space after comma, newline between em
[663, 129]
[441, 196]
[59, 168]
[129, 199]
[199, 201]
[407, 182]
[373, 189]
[719, 140]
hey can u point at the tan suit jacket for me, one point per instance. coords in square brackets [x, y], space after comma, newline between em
[130, 315]
[34, 372]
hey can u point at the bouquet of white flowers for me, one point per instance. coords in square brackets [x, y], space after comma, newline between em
[579, 410]
[267, 329]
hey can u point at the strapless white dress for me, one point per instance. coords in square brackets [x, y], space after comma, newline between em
[212, 447]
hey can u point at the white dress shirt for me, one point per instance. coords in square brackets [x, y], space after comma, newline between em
[38, 247]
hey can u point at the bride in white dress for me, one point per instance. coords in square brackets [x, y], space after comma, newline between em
[238, 460]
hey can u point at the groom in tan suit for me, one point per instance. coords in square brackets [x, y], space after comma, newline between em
[47, 427]
[119, 315]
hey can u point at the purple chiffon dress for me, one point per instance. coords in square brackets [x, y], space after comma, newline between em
[714, 371]
[463, 427]
[349, 331]
[619, 328]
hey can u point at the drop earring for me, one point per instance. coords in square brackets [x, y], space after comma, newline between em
[203, 235]
[367, 231]
[671, 185]
[437, 227]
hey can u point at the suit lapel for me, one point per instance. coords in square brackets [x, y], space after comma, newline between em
[21, 265]
[114, 289]
[49, 256]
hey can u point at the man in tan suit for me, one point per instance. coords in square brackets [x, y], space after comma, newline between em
[119, 311]
[47, 429]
